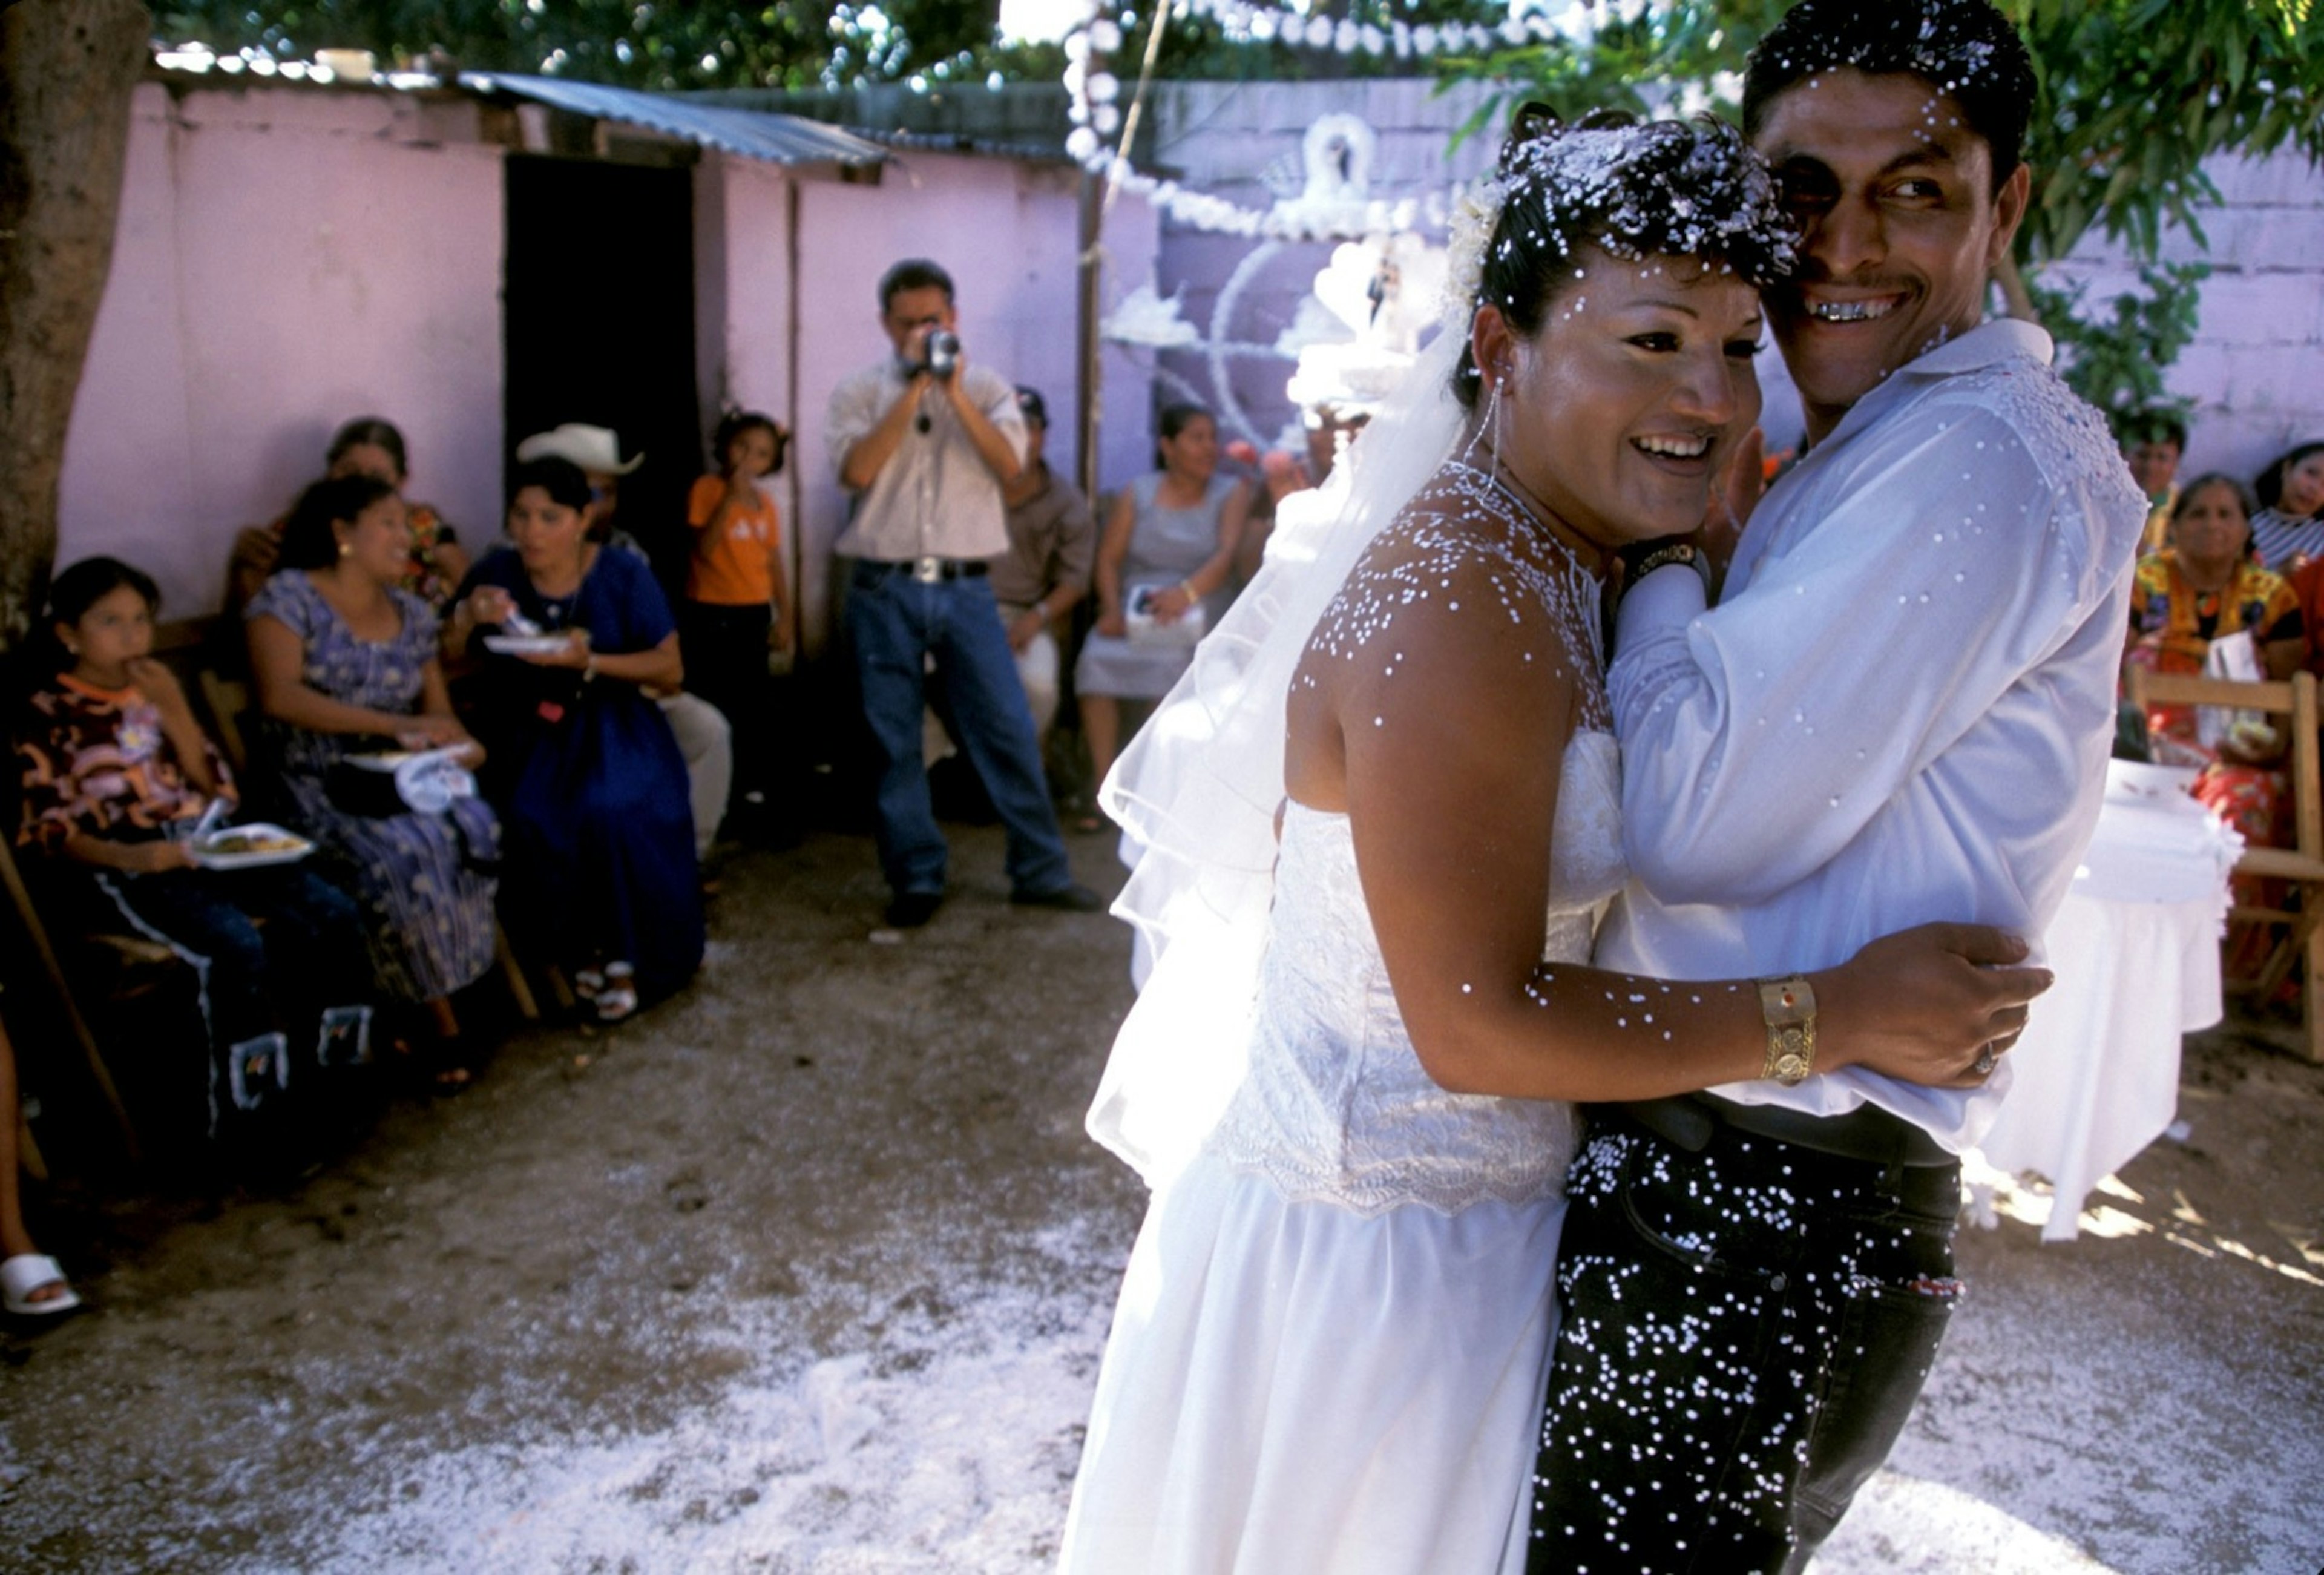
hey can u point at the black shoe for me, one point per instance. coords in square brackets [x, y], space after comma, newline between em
[1070, 898]
[908, 910]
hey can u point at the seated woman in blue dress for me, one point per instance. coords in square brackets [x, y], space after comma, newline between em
[592, 791]
[344, 662]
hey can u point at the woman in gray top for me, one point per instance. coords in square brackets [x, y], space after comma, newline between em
[1164, 571]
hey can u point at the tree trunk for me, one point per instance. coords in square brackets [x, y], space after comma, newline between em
[67, 69]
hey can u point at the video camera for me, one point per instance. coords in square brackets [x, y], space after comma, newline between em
[940, 354]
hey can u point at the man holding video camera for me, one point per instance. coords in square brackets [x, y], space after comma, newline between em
[926, 442]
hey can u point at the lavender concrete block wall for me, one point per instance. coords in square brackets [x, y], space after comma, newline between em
[2256, 367]
[2254, 370]
[1241, 141]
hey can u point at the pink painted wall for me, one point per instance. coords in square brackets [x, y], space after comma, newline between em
[742, 303]
[286, 258]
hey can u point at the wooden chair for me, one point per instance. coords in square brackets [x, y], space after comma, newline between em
[2301, 944]
[229, 701]
[133, 949]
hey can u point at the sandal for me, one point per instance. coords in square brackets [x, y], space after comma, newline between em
[441, 1068]
[448, 1070]
[617, 997]
[24, 1275]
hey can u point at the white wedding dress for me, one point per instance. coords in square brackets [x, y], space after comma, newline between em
[1329, 1351]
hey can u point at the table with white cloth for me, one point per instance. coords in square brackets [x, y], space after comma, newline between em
[2135, 949]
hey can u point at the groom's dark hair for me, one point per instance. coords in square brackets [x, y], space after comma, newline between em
[1962, 47]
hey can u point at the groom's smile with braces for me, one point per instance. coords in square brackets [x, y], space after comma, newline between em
[1852, 311]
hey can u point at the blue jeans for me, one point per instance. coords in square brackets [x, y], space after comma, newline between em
[895, 622]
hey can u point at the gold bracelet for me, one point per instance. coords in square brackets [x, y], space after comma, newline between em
[1788, 1006]
[1192, 593]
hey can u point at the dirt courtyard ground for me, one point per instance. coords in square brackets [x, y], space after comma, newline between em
[808, 1271]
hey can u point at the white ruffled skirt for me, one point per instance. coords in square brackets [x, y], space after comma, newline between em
[1292, 1388]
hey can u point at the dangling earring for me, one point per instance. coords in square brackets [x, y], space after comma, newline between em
[1492, 418]
[346, 549]
[1497, 384]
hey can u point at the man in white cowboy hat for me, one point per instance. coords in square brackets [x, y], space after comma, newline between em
[702, 736]
[597, 450]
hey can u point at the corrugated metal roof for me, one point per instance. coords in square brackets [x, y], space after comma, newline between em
[945, 141]
[753, 133]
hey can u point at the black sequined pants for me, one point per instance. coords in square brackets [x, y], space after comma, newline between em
[1745, 1330]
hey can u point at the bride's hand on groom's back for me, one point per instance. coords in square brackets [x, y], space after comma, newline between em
[1924, 1003]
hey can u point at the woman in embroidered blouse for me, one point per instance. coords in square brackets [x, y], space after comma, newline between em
[433, 564]
[2206, 587]
[116, 771]
[590, 786]
[345, 661]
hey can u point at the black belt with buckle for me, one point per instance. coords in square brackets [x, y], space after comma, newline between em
[1865, 1133]
[929, 571]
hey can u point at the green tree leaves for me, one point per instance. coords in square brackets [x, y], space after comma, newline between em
[637, 43]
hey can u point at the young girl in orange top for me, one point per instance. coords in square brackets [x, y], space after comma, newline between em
[738, 599]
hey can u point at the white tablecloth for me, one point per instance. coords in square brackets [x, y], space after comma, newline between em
[2136, 952]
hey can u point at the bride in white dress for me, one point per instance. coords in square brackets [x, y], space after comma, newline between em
[1346, 1076]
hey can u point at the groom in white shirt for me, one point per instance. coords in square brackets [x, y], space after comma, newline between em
[1899, 710]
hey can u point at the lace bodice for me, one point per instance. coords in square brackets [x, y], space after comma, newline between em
[1336, 1105]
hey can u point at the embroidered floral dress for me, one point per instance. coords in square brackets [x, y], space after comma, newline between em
[2174, 625]
[426, 881]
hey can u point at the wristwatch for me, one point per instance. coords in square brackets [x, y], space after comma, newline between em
[1788, 1006]
[1641, 559]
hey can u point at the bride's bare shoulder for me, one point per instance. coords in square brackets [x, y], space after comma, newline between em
[1450, 626]
[1458, 539]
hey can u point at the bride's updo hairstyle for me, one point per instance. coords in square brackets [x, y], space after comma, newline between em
[1690, 191]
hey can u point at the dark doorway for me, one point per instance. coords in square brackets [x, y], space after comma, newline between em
[597, 311]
